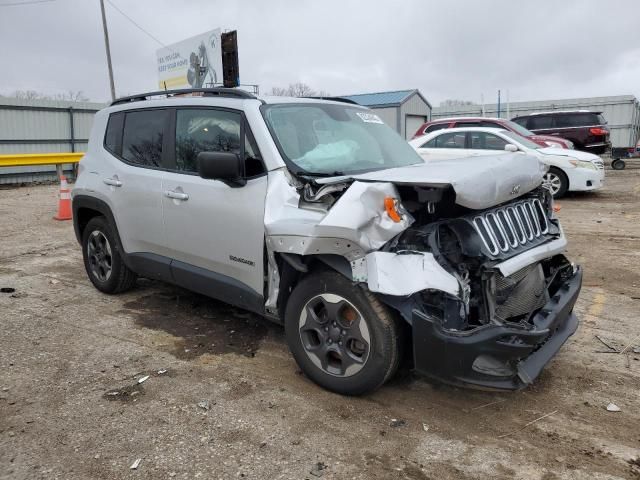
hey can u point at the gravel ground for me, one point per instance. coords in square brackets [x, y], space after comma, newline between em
[224, 399]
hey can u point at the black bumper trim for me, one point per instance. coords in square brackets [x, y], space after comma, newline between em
[449, 355]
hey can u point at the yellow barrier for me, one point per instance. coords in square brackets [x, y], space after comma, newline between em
[30, 159]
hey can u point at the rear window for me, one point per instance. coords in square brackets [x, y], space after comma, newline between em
[142, 137]
[437, 126]
[578, 120]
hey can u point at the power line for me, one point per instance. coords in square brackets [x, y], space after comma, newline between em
[134, 22]
[27, 2]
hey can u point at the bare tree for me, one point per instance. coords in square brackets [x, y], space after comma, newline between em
[454, 102]
[71, 95]
[297, 89]
[278, 92]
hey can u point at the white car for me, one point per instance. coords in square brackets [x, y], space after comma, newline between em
[569, 170]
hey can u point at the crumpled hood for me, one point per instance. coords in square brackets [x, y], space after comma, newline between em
[562, 152]
[480, 182]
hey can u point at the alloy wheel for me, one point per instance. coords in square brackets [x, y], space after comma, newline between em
[99, 255]
[552, 182]
[334, 334]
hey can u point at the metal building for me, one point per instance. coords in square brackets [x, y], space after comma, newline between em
[621, 112]
[403, 110]
[42, 126]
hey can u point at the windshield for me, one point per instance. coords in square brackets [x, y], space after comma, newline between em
[525, 142]
[519, 128]
[328, 139]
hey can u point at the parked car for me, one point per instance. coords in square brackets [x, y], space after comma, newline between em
[569, 170]
[587, 130]
[462, 122]
[318, 216]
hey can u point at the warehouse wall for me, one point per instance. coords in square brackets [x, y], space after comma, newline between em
[42, 126]
[622, 113]
[414, 107]
[388, 115]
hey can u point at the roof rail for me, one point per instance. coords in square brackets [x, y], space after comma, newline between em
[206, 92]
[336, 99]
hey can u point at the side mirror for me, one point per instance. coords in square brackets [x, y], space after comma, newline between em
[510, 147]
[223, 166]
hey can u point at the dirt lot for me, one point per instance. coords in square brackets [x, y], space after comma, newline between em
[66, 350]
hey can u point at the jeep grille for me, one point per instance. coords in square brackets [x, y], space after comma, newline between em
[511, 226]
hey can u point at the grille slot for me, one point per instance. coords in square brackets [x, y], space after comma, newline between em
[512, 226]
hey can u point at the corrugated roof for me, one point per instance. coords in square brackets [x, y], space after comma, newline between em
[380, 98]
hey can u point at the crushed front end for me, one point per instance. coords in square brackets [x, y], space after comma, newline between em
[516, 291]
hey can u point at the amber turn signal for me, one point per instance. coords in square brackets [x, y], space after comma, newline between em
[391, 206]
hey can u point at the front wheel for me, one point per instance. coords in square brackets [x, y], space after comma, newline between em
[340, 335]
[556, 181]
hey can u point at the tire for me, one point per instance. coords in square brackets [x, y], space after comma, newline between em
[618, 164]
[339, 358]
[103, 259]
[556, 180]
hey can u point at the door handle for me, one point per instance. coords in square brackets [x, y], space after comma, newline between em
[114, 182]
[176, 195]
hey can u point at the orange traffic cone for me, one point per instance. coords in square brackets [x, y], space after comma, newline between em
[64, 204]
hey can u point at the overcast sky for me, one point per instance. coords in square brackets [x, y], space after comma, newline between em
[448, 49]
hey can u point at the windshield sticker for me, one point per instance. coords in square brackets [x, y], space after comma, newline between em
[369, 117]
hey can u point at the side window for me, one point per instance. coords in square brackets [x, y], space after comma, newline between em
[466, 124]
[253, 165]
[205, 130]
[538, 122]
[490, 125]
[113, 135]
[437, 126]
[521, 121]
[486, 141]
[446, 140]
[143, 135]
[210, 130]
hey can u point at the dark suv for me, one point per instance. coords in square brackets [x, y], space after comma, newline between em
[587, 130]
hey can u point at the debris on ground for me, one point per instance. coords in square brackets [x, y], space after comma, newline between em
[143, 379]
[7, 289]
[204, 404]
[318, 469]
[425, 427]
[612, 407]
[162, 371]
[136, 464]
[606, 344]
[527, 424]
[397, 423]
[53, 281]
[124, 394]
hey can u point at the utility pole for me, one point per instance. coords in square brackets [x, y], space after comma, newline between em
[499, 104]
[106, 45]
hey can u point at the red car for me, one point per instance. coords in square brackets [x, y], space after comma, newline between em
[459, 122]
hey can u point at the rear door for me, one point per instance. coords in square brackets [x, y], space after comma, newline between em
[214, 231]
[132, 181]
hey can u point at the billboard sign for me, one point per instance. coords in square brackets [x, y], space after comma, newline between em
[192, 63]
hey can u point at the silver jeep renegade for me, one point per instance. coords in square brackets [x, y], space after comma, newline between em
[318, 216]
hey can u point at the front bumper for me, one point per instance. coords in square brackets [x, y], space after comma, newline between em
[584, 179]
[496, 356]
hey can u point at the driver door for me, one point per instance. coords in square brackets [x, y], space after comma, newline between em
[214, 231]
